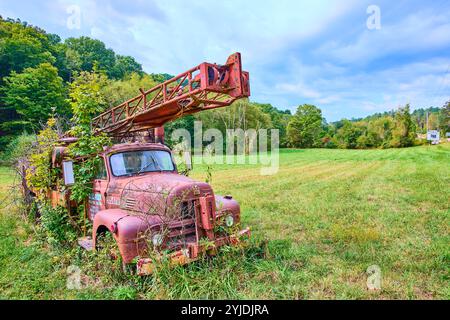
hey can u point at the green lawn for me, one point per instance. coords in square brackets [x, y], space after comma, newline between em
[317, 226]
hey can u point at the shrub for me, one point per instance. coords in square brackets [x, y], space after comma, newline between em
[40, 175]
[56, 224]
[19, 147]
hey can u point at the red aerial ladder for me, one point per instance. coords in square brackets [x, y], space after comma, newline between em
[204, 87]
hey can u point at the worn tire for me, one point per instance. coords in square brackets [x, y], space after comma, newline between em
[107, 247]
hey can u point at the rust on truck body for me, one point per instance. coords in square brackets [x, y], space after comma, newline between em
[135, 207]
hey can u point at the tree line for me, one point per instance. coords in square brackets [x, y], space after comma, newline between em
[37, 70]
[394, 129]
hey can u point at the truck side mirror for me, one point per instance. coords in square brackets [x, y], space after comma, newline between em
[69, 178]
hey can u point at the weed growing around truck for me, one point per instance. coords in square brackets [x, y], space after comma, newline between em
[317, 226]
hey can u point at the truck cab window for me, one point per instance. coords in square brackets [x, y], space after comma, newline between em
[101, 171]
[141, 161]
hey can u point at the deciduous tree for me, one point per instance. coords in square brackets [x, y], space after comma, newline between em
[305, 127]
[35, 93]
[404, 132]
[22, 46]
[124, 66]
[85, 53]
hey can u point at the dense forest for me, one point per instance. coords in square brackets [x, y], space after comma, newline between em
[37, 69]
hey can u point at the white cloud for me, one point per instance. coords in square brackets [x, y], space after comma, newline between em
[171, 37]
[357, 93]
[298, 88]
[417, 32]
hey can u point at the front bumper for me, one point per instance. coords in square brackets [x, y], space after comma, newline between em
[192, 252]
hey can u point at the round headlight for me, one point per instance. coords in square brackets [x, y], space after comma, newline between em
[229, 221]
[157, 240]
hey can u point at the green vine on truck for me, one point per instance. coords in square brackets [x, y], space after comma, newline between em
[86, 101]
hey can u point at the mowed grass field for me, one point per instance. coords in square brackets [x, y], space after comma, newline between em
[317, 225]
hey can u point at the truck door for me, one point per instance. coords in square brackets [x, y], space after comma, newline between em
[97, 200]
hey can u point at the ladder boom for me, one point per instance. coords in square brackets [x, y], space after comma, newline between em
[207, 86]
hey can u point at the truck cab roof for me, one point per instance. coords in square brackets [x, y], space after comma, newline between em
[134, 146]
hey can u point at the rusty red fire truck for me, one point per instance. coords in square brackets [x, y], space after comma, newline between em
[138, 195]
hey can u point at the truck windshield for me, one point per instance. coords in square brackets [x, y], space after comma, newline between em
[134, 162]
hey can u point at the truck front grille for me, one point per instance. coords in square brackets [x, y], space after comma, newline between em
[188, 209]
[184, 231]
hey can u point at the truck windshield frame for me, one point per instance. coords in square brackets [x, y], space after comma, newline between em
[130, 163]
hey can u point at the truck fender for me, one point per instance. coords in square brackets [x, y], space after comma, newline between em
[227, 205]
[126, 229]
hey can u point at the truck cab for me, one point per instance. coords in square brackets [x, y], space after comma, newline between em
[141, 199]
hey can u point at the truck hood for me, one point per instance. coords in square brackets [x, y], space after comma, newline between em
[159, 182]
[155, 191]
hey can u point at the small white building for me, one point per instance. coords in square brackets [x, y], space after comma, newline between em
[433, 136]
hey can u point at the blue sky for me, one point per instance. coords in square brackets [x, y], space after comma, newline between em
[318, 52]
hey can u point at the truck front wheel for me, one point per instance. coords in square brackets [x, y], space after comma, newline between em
[109, 253]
